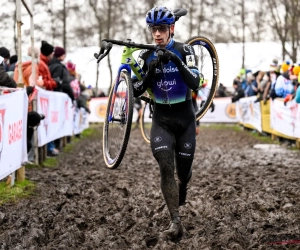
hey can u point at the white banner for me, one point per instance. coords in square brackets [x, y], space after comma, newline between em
[13, 131]
[98, 109]
[285, 119]
[224, 111]
[81, 121]
[58, 111]
[248, 112]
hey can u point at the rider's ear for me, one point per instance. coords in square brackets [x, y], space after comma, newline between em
[172, 28]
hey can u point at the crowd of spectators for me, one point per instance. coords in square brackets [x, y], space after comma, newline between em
[52, 74]
[281, 80]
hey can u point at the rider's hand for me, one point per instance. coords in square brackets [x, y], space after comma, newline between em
[152, 67]
[167, 56]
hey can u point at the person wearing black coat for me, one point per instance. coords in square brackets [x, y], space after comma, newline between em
[60, 73]
[5, 80]
[238, 93]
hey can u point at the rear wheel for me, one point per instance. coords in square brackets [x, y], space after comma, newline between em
[208, 64]
[118, 119]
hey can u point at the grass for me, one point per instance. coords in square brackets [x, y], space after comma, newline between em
[12, 194]
[236, 127]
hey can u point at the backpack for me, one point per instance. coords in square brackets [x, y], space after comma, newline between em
[75, 87]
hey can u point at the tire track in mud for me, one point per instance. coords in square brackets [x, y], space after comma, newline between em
[239, 198]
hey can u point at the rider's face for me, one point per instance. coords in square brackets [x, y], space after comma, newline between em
[162, 34]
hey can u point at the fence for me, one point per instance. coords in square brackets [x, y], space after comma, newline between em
[61, 119]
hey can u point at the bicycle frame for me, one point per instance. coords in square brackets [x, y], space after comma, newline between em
[129, 64]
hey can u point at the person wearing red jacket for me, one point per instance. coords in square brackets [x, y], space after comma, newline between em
[47, 51]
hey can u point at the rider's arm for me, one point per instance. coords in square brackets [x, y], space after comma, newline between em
[139, 87]
[189, 75]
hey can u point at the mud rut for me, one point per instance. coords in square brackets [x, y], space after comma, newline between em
[240, 198]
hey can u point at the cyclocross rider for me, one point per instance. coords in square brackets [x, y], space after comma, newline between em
[173, 124]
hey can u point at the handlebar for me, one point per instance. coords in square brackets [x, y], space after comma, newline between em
[107, 44]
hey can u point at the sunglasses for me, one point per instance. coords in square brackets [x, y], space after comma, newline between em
[160, 28]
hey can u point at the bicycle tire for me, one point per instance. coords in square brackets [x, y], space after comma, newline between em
[121, 105]
[144, 127]
[208, 45]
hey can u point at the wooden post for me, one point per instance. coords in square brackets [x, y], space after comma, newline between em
[21, 174]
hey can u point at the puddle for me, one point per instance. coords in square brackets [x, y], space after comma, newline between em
[270, 147]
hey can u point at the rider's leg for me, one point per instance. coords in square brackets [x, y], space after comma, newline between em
[185, 149]
[184, 173]
[169, 189]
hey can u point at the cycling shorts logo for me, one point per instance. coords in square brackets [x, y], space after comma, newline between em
[190, 60]
[188, 145]
[157, 139]
[141, 62]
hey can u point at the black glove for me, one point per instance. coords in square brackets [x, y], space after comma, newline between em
[152, 67]
[166, 56]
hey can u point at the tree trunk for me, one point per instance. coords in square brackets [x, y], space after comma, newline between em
[64, 25]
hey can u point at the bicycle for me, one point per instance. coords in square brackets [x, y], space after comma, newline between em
[208, 65]
[119, 111]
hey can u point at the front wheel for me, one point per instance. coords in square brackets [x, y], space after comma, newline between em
[118, 119]
[208, 64]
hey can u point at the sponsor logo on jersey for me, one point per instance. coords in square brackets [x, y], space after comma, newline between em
[167, 70]
[188, 49]
[166, 85]
[141, 62]
[157, 139]
[190, 60]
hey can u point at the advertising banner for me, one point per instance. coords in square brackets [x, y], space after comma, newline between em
[224, 111]
[248, 112]
[285, 118]
[58, 111]
[13, 131]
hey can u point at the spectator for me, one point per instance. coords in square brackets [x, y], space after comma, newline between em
[83, 99]
[4, 52]
[12, 62]
[47, 51]
[5, 80]
[270, 88]
[251, 88]
[60, 73]
[238, 91]
[284, 85]
[28, 79]
[101, 94]
[221, 92]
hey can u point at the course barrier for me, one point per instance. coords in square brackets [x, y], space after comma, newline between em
[13, 121]
[62, 118]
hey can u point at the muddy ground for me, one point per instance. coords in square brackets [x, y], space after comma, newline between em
[239, 198]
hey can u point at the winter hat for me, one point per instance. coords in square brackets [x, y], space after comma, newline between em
[296, 69]
[71, 68]
[59, 51]
[36, 52]
[4, 52]
[46, 48]
[13, 59]
[285, 66]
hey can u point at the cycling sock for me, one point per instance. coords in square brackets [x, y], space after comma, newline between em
[168, 184]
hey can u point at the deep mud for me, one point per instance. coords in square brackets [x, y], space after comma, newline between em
[239, 198]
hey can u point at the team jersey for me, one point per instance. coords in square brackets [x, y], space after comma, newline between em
[167, 85]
